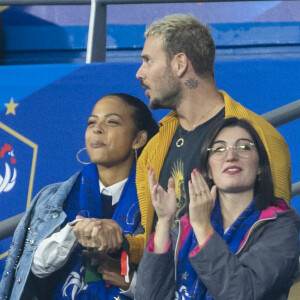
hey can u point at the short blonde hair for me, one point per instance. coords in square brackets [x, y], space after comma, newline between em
[184, 33]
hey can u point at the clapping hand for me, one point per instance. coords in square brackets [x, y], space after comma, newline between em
[163, 202]
[165, 206]
[202, 202]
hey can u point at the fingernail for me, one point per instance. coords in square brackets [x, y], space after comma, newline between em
[190, 180]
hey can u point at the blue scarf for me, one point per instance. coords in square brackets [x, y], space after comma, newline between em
[189, 285]
[85, 199]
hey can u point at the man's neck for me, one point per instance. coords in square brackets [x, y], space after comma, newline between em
[199, 106]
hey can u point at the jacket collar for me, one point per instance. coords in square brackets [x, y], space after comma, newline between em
[272, 211]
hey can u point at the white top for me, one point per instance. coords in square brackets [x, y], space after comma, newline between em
[114, 190]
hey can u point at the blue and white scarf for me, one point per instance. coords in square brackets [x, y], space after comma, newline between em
[189, 285]
[85, 197]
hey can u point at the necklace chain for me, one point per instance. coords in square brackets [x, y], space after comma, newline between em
[180, 142]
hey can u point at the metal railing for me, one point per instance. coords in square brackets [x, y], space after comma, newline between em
[295, 189]
[96, 46]
[8, 226]
[284, 114]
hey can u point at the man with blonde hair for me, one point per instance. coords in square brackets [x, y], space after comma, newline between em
[178, 74]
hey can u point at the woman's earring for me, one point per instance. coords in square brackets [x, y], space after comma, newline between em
[77, 157]
[136, 155]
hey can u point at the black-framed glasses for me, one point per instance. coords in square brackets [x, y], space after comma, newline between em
[242, 148]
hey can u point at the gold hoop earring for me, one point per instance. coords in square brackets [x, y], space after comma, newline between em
[78, 159]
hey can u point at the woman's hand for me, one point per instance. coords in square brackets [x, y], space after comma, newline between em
[165, 207]
[202, 202]
[111, 272]
[110, 269]
[163, 202]
[104, 234]
[85, 230]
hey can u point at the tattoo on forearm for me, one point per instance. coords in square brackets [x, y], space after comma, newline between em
[191, 83]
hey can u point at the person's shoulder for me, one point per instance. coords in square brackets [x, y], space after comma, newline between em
[166, 130]
[53, 188]
[236, 109]
[286, 218]
[169, 118]
[291, 216]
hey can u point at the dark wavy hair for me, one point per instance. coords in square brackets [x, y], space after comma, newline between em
[142, 116]
[264, 188]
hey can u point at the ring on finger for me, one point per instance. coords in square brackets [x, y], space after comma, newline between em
[200, 192]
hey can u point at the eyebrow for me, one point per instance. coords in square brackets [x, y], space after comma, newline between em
[145, 56]
[107, 115]
[241, 139]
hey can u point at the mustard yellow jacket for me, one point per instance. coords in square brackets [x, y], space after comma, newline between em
[156, 150]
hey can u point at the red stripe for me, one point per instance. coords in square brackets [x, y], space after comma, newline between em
[123, 263]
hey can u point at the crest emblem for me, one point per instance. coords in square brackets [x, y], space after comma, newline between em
[8, 179]
[17, 167]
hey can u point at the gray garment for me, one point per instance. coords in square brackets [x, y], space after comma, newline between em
[264, 268]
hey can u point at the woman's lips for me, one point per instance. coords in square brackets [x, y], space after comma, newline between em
[232, 170]
[97, 144]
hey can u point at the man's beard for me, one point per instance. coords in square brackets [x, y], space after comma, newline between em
[170, 93]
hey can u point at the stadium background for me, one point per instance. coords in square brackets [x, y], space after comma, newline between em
[47, 91]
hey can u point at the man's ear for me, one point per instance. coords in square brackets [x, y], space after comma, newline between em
[140, 140]
[180, 64]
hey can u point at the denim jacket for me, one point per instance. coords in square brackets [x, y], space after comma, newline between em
[44, 215]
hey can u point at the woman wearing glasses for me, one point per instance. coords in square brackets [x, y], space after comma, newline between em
[238, 241]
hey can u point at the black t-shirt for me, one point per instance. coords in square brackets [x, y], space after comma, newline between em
[181, 161]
